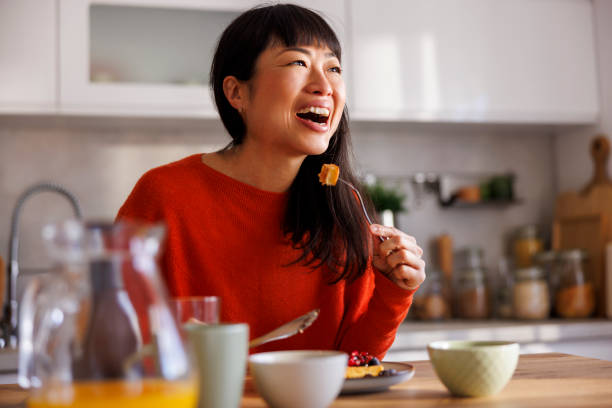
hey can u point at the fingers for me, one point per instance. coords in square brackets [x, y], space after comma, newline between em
[405, 257]
[407, 277]
[396, 240]
[384, 231]
[400, 242]
[400, 257]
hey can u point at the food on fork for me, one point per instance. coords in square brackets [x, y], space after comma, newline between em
[329, 174]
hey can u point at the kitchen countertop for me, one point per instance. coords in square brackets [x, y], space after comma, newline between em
[540, 380]
[534, 336]
[585, 337]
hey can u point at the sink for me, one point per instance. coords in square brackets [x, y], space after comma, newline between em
[8, 366]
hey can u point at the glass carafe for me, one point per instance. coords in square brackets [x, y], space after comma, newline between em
[97, 331]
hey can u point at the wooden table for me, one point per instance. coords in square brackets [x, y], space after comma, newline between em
[540, 380]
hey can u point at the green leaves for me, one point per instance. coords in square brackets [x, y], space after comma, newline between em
[385, 198]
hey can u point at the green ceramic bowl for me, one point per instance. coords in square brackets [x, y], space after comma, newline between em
[474, 368]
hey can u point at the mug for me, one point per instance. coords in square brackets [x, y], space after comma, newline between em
[221, 352]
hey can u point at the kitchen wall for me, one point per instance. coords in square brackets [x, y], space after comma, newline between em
[403, 149]
[573, 162]
[100, 159]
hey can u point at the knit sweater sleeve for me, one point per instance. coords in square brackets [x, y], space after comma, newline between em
[375, 307]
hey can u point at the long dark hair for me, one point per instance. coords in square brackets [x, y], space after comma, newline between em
[326, 223]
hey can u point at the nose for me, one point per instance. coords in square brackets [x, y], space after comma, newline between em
[319, 83]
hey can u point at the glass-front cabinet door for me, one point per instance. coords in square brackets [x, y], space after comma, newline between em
[144, 57]
[139, 57]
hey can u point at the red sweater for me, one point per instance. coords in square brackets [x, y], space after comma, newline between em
[225, 239]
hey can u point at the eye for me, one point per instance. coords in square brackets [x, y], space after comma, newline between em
[298, 62]
[336, 69]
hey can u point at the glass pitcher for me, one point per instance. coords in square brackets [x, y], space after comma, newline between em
[97, 331]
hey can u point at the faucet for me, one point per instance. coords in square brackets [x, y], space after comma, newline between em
[8, 324]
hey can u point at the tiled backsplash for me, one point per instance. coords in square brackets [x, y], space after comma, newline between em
[100, 159]
[396, 149]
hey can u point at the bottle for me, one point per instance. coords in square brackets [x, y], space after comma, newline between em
[444, 246]
[113, 334]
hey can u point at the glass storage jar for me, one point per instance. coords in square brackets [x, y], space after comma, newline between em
[550, 264]
[576, 295]
[503, 290]
[530, 295]
[429, 302]
[526, 244]
[471, 292]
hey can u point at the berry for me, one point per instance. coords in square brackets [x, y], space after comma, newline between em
[363, 358]
[387, 373]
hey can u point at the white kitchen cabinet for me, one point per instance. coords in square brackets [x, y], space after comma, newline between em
[527, 61]
[28, 56]
[146, 57]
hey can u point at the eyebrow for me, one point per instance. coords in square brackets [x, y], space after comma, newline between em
[304, 51]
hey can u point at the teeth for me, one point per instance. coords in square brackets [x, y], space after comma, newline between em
[314, 109]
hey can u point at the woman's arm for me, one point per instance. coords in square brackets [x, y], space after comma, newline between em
[375, 307]
[378, 302]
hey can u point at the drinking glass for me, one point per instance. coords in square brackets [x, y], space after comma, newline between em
[203, 309]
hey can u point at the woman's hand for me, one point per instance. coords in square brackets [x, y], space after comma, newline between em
[398, 257]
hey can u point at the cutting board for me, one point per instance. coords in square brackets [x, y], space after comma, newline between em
[582, 220]
[3, 273]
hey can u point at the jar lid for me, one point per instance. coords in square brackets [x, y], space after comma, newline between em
[574, 254]
[471, 251]
[470, 274]
[531, 273]
[546, 256]
[527, 231]
[470, 258]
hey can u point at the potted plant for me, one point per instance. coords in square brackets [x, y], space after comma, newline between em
[387, 202]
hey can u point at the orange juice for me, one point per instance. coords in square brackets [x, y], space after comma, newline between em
[149, 393]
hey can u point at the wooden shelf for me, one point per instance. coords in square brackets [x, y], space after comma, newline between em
[482, 204]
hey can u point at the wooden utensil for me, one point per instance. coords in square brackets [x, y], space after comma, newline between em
[582, 221]
[2, 285]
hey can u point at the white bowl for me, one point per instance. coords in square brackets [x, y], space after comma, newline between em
[300, 378]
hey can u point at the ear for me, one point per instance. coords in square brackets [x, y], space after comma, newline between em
[235, 92]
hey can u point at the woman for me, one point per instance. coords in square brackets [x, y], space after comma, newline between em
[252, 224]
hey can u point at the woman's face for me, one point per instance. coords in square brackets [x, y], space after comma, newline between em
[295, 100]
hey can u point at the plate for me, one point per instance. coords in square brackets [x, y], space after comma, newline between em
[377, 384]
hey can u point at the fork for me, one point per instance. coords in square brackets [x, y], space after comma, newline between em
[365, 212]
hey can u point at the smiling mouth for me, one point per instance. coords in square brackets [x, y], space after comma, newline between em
[316, 115]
